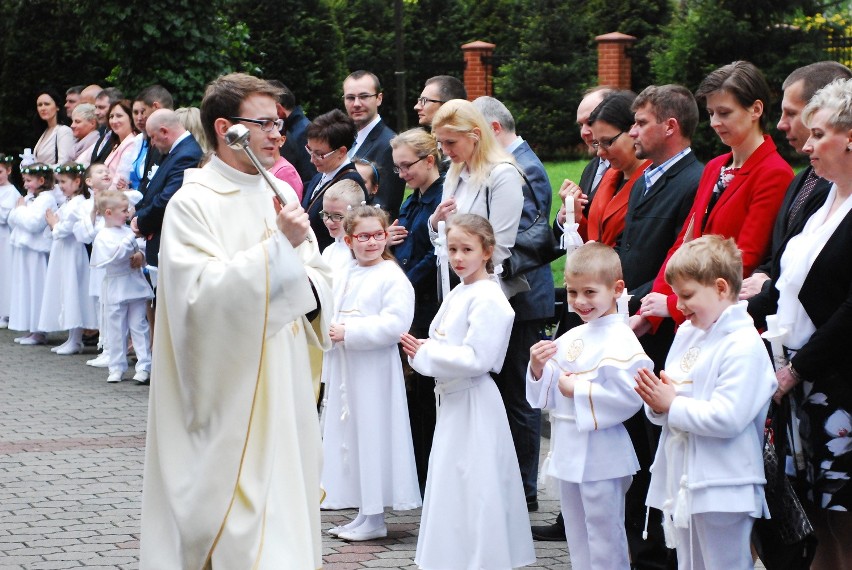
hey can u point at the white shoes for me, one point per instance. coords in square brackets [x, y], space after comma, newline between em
[32, 340]
[358, 534]
[73, 348]
[114, 377]
[143, 377]
[102, 361]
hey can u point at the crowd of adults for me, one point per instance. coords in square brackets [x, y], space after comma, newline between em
[644, 192]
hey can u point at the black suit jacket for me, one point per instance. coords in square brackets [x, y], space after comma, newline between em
[295, 126]
[587, 178]
[166, 181]
[538, 302]
[312, 201]
[376, 148]
[103, 147]
[153, 157]
[653, 222]
[780, 229]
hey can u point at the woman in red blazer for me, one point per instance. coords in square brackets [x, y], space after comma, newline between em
[740, 192]
[610, 122]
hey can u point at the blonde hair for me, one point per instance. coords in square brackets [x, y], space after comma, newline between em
[478, 226]
[347, 191]
[190, 118]
[355, 215]
[421, 143]
[111, 199]
[463, 117]
[594, 259]
[706, 259]
[835, 97]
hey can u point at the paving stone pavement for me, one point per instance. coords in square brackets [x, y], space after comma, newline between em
[71, 455]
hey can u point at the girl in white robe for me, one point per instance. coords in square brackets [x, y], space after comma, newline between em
[369, 454]
[8, 199]
[67, 304]
[30, 246]
[475, 511]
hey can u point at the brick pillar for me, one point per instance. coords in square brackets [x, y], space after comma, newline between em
[478, 73]
[614, 59]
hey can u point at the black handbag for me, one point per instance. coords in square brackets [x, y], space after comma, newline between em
[535, 245]
[786, 541]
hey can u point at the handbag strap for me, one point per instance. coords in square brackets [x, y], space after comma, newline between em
[526, 183]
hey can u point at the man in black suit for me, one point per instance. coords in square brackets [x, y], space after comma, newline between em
[295, 128]
[532, 308]
[180, 151]
[437, 91]
[362, 96]
[665, 120]
[807, 189]
[330, 136]
[151, 98]
[106, 142]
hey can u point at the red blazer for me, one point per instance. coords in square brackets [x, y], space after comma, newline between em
[606, 214]
[746, 211]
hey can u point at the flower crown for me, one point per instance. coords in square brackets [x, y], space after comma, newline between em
[70, 169]
[40, 169]
[7, 159]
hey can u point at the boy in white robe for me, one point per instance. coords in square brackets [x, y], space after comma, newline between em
[585, 379]
[711, 400]
[125, 292]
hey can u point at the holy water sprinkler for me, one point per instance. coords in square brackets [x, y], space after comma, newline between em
[237, 137]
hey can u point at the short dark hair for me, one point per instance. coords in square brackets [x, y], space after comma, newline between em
[224, 96]
[670, 100]
[75, 90]
[156, 94]
[615, 110]
[335, 127]
[449, 87]
[744, 81]
[112, 93]
[816, 76]
[358, 74]
[287, 98]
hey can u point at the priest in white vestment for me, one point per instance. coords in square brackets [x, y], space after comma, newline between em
[233, 454]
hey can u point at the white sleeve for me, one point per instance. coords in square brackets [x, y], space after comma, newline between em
[370, 332]
[542, 393]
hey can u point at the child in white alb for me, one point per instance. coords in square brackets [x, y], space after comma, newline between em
[126, 292]
[340, 197]
[474, 511]
[711, 401]
[30, 246]
[8, 200]
[369, 454]
[67, 305]
[585, 380]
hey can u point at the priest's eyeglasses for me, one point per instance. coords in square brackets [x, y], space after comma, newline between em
[266, 125]
[365, 237]
[334, 217]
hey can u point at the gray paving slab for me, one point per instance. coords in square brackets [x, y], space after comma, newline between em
[71, 458]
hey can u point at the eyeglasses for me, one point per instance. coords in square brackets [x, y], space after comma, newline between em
[317, 156]
[424, 100]
[403, 168]
[266, 125]
[334, 217]
[365, 237]
[360, 96]
[605, 144]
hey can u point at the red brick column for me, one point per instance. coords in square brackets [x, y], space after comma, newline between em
[613, 59]
[477, 74]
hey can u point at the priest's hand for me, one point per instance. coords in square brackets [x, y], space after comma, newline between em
[293, 222]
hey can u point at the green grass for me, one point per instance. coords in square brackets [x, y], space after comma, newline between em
[557, 172]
